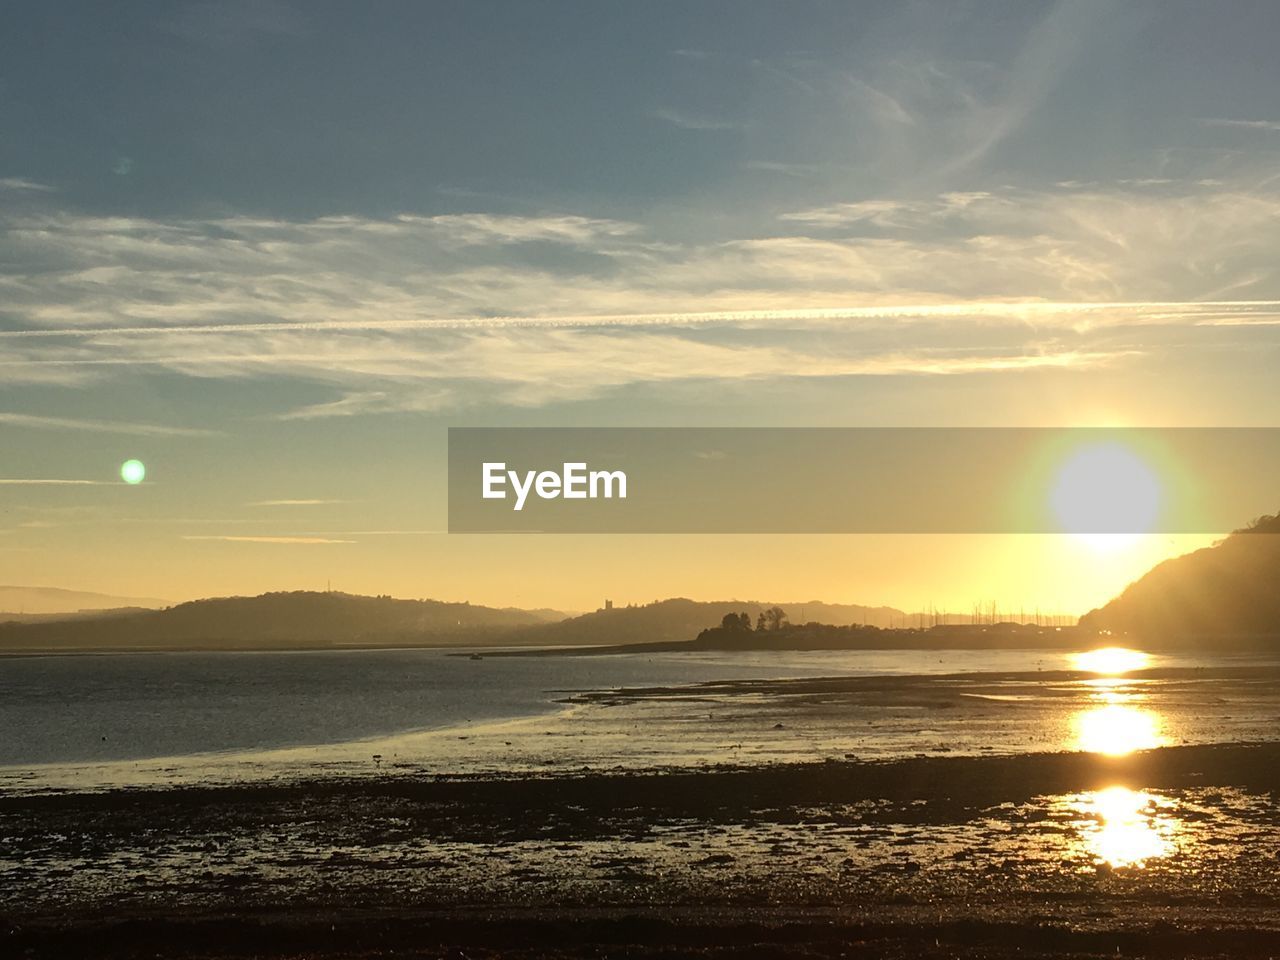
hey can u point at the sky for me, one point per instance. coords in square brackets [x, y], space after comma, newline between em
[276, 249]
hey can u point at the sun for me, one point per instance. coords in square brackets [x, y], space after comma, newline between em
[1107, 495]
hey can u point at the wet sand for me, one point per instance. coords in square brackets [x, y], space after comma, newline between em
[1026, 855]
[757, 722]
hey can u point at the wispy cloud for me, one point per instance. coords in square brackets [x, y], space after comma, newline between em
[1268, 125]
[1048, 313]
[381, 533]
[478, 228]
[304, 541]
[456, 272]
[294, 503]
[412, 313]
[38, 422]
[894, 213]
[689, 53]
[23, 185]
[690, 121]
[25, 482]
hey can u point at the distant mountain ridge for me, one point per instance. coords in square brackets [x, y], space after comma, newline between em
[305, 619]
[275, 621]
[1228, 591]
[54, 600]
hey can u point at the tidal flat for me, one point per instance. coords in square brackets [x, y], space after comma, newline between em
[1168, 852]
[990, 813]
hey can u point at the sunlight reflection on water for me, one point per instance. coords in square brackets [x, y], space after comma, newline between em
[1121, 827]
[1116, 730]
[1111, 661]
[1115, 727]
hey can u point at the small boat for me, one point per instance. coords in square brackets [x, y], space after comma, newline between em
[475, 656]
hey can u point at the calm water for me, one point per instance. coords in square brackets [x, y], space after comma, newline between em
[309, 711]
[68, 709]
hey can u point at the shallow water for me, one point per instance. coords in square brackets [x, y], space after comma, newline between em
[92, 722]
[67, 709]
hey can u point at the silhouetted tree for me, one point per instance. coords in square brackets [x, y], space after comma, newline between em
[775, 618]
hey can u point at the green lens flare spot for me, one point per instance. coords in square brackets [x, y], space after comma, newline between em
[133, 471]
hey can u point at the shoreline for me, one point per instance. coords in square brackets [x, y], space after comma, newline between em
[933, 856]
[871, 715]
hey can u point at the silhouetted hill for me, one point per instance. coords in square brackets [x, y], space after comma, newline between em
[7, 617]
[305, 619]
[278, 620]
[825, 636]
[54, 600]
[681, 619]
[1228, 591]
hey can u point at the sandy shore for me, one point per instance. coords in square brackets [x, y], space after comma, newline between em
[938, 856]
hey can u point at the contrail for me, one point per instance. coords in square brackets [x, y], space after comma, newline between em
[53, 483]
[1001, 309]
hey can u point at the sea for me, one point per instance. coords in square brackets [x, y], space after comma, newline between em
[106, 720]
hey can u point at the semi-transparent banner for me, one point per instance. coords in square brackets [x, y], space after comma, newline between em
[861, 480]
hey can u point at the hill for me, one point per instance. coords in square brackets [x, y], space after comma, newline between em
[43, 601]
[306, 619]
[277, 621]
[825, 636]
[681, 619]
[1227, 591]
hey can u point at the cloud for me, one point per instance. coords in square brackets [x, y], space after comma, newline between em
[688, 121]
[294, 503]
[880, 104]
[566, 366]
[22, 184]
[38, 422]
[1048, 51]
[1176, 241]
[1044, 313]
[926, 116]
[384, 533]
[478, 228]
[24, 482]
[428, 369]
[1180, 242]
[306, 541]
[892, 213]
[410, 313]
[1268, 125]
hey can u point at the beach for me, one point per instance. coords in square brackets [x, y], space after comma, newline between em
[931, 856]
[766, 826]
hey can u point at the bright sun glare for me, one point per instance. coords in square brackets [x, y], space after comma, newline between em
[1111, 661]
[1128, 830]
[1107, 495]
[1117, 730]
